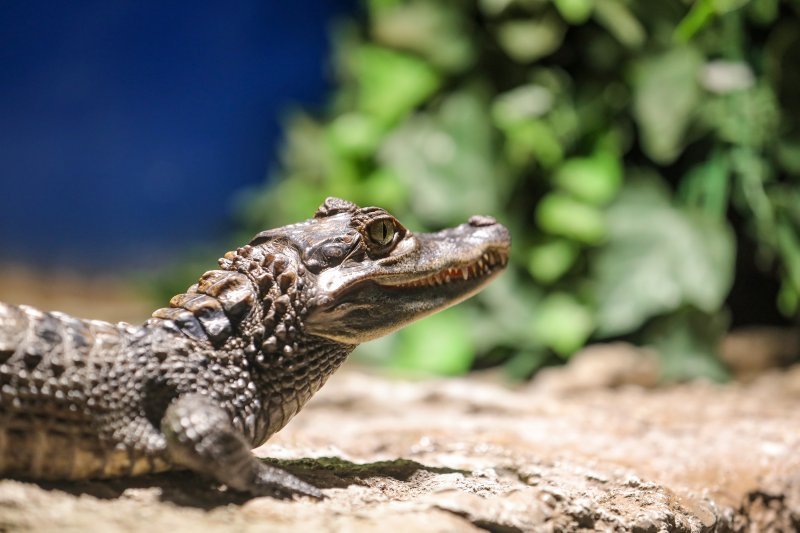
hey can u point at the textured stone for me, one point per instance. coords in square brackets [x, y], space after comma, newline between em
[466, 455]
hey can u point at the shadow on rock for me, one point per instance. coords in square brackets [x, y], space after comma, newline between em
[334, 472]
[188, 489]
[181, 488]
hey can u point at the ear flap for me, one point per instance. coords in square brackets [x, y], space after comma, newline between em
[333, 206]
[262, 237]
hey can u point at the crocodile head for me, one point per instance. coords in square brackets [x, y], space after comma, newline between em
[368, 275]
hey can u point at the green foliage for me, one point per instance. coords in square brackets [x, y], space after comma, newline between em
[563, 323]
[687, 340]
[614, 138]
[391, 83]
[438, 346]
[658, 259]
[665, 95]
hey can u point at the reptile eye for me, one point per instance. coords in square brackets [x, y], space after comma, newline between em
[381, 232]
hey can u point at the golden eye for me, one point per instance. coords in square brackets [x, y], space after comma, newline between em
[381, 232]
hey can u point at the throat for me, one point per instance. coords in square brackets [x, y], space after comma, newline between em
[288, 380]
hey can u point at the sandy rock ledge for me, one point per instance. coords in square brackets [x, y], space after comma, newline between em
[466, 455]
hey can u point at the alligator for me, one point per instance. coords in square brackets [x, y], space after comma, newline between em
[231, 360]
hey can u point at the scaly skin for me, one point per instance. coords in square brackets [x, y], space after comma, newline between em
[233, 359]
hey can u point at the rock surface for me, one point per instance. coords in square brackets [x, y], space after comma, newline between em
[467, 455]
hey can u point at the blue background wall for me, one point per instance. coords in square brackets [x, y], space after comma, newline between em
[126, 127]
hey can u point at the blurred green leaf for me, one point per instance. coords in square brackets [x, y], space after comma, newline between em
[438, 345]
[528, 40]
[595, 179]
[509, 309]
[789, 156]
[494, 7]
[521, 104]
[355, 133]
[377, 6]
[702, 13]
[722, 7]
[666, 94]
[659, 258]
[764, 11]
[262, 211]
[574, 11]
[392, 83]
[687, 343]
[746, 118]
[620, 22]
[524, 363]
[560, 214]
[301, 149]
[707, 186]
[550, 260]
[436, 31]
[789, 245]
[563, 323]
[753, 173]
[696, 19]
[533, 140]
[384, 189]
[789, 299]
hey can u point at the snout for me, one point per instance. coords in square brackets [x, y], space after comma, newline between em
[487, 230]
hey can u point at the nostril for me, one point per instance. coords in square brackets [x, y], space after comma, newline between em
[481, 220]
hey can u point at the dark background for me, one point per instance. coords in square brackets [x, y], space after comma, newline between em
[127, 126]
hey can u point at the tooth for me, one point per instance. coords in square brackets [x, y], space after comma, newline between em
[464, 274]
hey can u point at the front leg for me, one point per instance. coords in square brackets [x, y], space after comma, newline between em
[200, 436]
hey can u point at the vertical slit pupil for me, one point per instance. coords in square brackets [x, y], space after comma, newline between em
[381, 232]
